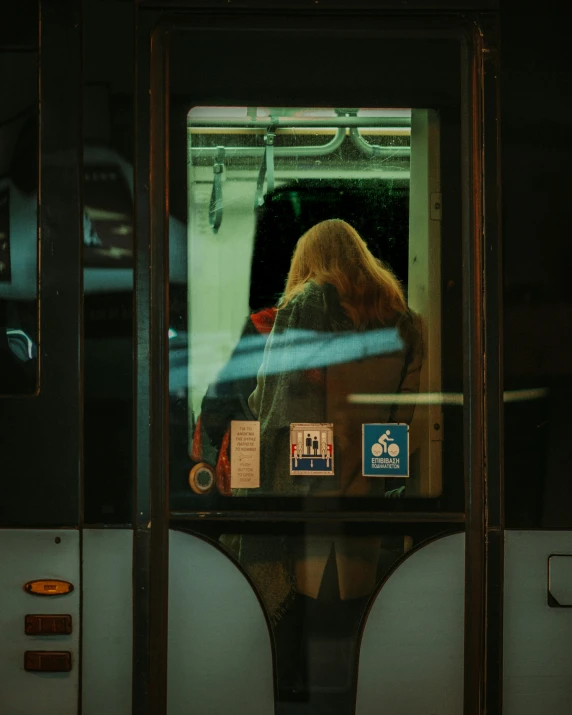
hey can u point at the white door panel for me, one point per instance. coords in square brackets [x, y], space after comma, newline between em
[537, 637]
[27, 555]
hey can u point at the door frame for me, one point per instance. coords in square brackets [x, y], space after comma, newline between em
[482, 346]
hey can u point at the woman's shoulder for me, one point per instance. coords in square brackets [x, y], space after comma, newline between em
[311, 291]
[312, 296]
[307, 308]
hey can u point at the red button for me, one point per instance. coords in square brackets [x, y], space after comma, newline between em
[48, 625]
[47, 661]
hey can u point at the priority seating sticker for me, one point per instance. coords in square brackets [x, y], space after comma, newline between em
[311, 451]
[385, 450]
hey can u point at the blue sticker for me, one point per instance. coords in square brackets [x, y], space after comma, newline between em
[385, 450]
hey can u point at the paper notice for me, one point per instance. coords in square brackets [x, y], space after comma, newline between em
[244, 454]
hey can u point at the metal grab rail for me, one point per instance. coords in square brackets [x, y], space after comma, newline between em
[340, 123]
[376, 149]
[243, 151]
[321, 122]
[269, 151]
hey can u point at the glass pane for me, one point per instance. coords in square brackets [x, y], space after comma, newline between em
[108, 265]
[313, 345]
[316, 587]
[315, 591]
[18, 223]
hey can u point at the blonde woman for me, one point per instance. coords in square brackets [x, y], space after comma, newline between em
[342, 327]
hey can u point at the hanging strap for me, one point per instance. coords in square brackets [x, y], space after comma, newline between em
[215, 204]
[266, 168]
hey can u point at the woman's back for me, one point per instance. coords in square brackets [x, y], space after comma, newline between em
[315, 360]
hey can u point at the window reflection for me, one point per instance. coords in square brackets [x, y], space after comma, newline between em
[18, 223]
[259, 180]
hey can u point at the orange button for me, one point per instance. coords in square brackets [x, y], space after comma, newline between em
[48, 587]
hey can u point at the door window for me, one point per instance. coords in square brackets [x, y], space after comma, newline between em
[252, 348]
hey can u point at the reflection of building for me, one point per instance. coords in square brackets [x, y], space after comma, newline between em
[108, 232]
[5, 264]
[108, 216]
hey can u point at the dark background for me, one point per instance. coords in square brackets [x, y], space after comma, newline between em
[536, 105]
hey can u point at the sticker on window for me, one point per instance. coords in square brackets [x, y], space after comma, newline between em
[385, 450]
[312, 449]
[244, 454]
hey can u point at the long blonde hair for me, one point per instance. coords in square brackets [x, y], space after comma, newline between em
[333, 252]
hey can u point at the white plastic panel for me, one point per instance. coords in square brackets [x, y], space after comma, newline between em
[537, 638]
[220, 655]
[219, 266]
[107, 645]
[26, 555]
[411, 657]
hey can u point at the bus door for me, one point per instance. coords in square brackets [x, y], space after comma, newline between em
[296, 553]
